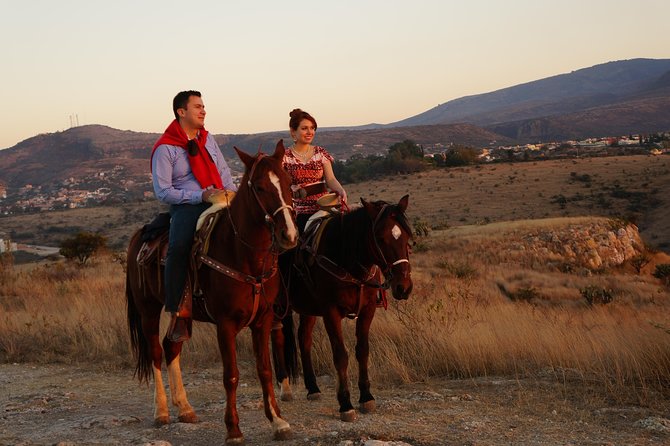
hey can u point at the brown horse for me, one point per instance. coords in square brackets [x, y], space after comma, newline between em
[341, 278]
[239, 286]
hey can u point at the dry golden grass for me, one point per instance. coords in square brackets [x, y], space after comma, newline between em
[479, 307]
[458, 322]
[58, 312]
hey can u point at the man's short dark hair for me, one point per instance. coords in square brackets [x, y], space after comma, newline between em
[181, 100]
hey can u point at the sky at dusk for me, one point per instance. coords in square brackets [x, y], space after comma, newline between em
[347, 62]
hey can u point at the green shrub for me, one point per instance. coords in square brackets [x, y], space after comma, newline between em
[639, 261]
[662, 272]
[82, 246]
[596, 295]
[460, 270]
[524, 294]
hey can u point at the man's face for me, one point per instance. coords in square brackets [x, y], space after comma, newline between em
[193, 116]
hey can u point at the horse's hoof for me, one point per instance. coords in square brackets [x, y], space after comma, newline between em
[314, 396]
[188, 417]
[161, 421]
[348, 416]
[368, 407]
[285, 391]
[283, 434]
[236, 441]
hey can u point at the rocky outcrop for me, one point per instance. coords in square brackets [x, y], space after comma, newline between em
[593, 245]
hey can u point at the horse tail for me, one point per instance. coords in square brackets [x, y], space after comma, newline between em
[290, 348]
[138, 342]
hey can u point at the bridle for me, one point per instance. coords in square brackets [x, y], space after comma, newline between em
[385, 266]
[268, 218]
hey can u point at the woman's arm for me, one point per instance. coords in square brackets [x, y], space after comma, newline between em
[331, 181]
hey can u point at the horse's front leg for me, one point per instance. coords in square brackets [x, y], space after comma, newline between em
[278, 354]
[260, 334]
[305, 340]
[226, 333]
[366, 400]
[333, 323]
[177, 391]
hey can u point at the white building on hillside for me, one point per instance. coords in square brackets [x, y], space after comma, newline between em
[7, 246]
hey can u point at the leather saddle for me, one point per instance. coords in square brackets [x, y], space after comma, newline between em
[155, 238]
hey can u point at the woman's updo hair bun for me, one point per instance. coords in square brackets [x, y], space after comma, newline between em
[297, 115]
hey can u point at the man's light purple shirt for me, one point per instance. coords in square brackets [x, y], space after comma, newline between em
[173, 180]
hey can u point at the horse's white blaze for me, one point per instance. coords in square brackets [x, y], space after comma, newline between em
[396, 232]
[291, 229]
[160, 398]
[177, 391]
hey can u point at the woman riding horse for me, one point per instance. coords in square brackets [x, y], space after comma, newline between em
[340, 277]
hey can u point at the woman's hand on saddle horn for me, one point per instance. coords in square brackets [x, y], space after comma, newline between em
[342, 194]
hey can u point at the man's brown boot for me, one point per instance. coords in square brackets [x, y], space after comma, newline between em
[181, 322]
[180, 328]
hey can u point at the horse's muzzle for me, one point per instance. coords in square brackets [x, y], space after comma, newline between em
[287, 240]
[402, 290]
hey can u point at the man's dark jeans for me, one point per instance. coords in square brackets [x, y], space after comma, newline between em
[183, 218]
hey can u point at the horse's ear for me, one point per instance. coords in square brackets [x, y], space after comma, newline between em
[280, 150]
[369, 208]
[247, 159]
[402, 204]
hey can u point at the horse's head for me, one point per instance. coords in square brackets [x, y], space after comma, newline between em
[392, 234]
[270, 184]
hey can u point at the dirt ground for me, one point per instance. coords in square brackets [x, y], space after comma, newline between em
[73, 405]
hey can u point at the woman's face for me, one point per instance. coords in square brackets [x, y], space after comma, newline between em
[304, 133]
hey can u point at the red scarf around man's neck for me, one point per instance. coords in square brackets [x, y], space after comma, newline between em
[202, 165]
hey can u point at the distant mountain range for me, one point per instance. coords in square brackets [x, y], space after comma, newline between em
[629, 96]
[615, 98]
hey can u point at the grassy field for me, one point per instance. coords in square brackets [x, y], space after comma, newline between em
[478, 309]
[481, 307]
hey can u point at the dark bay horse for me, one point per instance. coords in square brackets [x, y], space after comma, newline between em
[341, 278]
[245, 243]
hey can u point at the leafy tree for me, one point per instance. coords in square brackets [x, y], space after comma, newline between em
[460, 156]
[406, 156]
[402, 157]
[82, 246]
[404, 150]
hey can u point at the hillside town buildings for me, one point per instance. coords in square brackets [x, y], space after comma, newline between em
[111, 186]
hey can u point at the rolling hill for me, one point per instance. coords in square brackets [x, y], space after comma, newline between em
[84, 151]
[629, 96]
